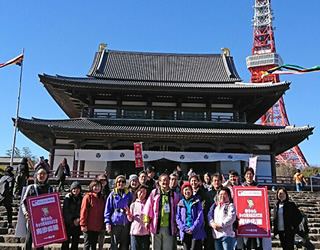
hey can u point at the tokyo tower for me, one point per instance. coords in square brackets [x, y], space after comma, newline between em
[264, 57]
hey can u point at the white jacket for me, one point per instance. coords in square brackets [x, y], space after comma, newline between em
[224, 215]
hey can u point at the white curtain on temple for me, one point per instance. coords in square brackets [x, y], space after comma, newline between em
[128, 155]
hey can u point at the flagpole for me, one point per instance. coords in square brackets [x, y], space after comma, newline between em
[17, 115]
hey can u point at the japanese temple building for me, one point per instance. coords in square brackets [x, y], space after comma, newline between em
[191, 110]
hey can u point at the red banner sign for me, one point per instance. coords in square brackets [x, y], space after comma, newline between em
[47, 224]
[138, 155]
[252, 211]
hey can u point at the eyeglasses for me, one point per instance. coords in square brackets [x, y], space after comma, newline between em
[41, 174]
[123, 182]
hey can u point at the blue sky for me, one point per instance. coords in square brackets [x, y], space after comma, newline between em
[61, 37]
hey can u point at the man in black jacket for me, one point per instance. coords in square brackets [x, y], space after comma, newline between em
[200, 193]
[71, 214]
[6, 191]
[22, 176]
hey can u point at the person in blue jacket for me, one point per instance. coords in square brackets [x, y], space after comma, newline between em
[190, 220]
[115, 216]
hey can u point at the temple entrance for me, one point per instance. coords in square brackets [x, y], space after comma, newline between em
[163, 166]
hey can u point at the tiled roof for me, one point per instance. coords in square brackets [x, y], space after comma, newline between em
[90, 82]
[43, 132]
[159, 126]
[164, 67]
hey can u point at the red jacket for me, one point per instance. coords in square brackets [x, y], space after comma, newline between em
[91, 213]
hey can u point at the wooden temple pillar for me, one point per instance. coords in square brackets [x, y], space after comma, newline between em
[273, 168]
[82, 166]
[51, 158]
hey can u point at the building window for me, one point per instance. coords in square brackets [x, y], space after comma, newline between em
[133, 114]
[164, 114]
[191, 115]
[105, 113]
[221, 117]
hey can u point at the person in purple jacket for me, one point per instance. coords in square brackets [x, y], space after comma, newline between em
[115, 216]
[190, 220]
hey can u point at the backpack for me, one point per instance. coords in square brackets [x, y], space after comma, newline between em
[5, 186]
[303, 229]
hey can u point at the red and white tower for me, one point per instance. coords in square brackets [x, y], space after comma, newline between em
[263, 58]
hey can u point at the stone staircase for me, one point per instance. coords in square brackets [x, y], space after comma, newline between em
[307, 202]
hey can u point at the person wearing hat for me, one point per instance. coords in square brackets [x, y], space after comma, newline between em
[115, 216]
[190, 219]
[200, 193]
[105, 191]
[133, 183]
[6, 191]
[41, 186]
[71, 214]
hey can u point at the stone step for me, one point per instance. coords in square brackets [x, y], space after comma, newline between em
[19, 246]
[307, 202]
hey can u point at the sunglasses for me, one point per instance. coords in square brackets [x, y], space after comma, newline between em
[123, 182]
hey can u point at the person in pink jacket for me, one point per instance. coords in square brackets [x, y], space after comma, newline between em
[160, 211]
[140, 235]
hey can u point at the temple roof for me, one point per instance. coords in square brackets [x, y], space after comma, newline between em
[90, 82]
[163, 67]
[71, 93]
[44, 132]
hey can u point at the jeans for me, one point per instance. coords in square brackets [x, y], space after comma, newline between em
[225, 243]
[252, 243]
[208, 243]
[190, 244]
[287, 240]
[7, 203]
[73, 234]
[163, 240]
[90, 240]
[120, 237]
[140, 242]
[101, 237]
[298, 185]
[28, 240]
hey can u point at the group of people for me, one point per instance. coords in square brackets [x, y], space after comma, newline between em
[148, 212]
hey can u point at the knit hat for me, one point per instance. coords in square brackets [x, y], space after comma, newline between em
[187, 184]
[75, 184]
[119, 177]
[133, 177]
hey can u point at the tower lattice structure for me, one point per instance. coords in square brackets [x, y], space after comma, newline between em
[264, 57]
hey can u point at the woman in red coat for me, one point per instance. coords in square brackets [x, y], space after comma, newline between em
[91, 215]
